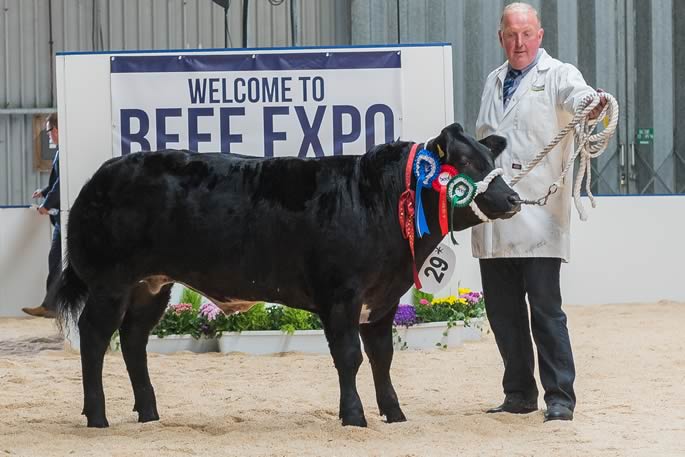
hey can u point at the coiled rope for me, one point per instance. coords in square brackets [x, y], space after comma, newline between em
[589, 146]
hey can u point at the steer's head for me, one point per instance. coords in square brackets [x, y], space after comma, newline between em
[476, 159]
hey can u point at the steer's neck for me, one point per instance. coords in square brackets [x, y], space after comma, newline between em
[430, 199]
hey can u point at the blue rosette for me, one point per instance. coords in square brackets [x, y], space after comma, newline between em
[426, 169]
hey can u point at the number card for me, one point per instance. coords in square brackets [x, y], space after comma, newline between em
[436, 272]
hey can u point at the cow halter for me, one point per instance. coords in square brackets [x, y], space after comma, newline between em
[460, 191]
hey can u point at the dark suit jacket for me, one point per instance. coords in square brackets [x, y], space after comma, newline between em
[51, 191]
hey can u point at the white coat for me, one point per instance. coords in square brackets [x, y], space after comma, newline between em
[543, 104]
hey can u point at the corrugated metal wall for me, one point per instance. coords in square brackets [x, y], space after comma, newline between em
[631, 48]
[26, 74]
[624, 46]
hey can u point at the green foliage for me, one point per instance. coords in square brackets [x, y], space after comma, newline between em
[190, 317]
[438, 313]
[262, 317]
[417, 295]
[290, 319]
[192, 297]
[185, 319]
[256, 318]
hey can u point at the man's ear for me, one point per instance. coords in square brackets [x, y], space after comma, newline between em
[495, 143]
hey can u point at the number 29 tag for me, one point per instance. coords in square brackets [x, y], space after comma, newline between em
[437, 270]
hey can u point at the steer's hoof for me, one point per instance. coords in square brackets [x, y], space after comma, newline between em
[395, 415]
[148, 416]
[354, 420]
[98, 423]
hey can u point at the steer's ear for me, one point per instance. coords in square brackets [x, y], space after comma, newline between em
[440, 143]
[494, 143]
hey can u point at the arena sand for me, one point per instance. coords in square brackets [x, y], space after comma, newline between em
[630, 385]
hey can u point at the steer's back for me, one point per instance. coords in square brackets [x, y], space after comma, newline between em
[263, 223]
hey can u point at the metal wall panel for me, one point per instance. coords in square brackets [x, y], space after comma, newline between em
[627, 47]
[26, 73]
[679, 95]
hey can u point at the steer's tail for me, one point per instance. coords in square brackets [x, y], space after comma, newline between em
[69, 294]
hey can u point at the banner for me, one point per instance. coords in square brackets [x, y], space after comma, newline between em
[305, 104]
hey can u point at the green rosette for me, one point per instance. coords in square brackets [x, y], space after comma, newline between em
[461, 190]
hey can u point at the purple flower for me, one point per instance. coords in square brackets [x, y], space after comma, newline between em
[472, 297]
[205, 329]
[210, 311]
[405, 315]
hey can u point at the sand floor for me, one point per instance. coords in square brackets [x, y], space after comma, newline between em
[631, 399]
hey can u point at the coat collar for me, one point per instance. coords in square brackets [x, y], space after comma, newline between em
[543, 65]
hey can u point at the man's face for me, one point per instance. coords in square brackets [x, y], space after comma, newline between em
[53, 133]
[520, 37]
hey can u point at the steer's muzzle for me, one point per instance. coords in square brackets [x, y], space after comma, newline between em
[515, 202]
[499, 201]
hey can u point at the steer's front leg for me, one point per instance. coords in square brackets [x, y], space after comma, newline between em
[377, 337]
[341, 325]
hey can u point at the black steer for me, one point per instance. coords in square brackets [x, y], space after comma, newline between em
[319, 234]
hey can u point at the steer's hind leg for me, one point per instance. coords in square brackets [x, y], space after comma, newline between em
[377, 337]
[143, 312]
[101, 316]
[341, 325]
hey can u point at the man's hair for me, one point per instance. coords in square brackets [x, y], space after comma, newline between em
[52, 119]
[519, 7]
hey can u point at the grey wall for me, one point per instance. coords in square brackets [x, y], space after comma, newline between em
[27, 76]
[627, 47]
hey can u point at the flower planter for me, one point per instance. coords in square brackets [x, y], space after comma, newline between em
[436, 334]
[475, 329]
[178, 343]
[274, 342]
[421, 336]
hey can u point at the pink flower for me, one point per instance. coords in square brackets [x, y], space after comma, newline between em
[423, 301]
[210, 311]
[181, 307]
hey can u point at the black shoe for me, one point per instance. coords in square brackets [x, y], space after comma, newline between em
[515, 406]
[558, 412]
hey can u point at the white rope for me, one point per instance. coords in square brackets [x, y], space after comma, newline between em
[589, 146]
[482, 186]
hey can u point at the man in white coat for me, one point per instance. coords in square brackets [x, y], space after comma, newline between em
[528, 100]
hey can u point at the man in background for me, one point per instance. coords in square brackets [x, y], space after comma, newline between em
[50, 207]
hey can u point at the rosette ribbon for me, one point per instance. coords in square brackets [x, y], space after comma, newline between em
[461, 190]
[426, 167]
[406, 212]
[447, 172]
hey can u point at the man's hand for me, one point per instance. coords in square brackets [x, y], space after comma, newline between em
[600, 106]
[38, 193]
[42, 210]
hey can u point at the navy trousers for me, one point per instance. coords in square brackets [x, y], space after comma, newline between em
[506, 283]
[54, 264]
